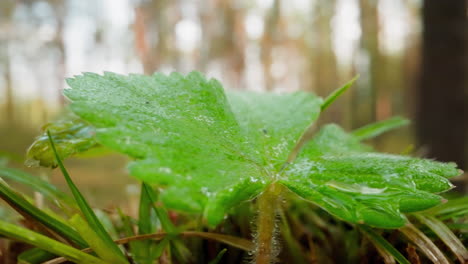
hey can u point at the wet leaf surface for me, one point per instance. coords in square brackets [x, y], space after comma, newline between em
[211, 150]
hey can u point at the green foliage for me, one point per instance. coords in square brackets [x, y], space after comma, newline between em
[375, 129]
[207, 151]
[46, 243]
[71, 135]
[338, 173]
[95, 233]
[212, 150]
[188, 138]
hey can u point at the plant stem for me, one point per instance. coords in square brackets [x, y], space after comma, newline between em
[266, 251]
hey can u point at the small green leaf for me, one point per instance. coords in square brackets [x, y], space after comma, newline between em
[45, 243]
[71, 135]
[375, 129]
[86, 210]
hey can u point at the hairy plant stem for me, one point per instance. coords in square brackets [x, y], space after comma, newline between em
[267, 204]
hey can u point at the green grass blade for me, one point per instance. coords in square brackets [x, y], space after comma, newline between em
[462, 227]
[424, 244]
[37, 184]
[375, 129]
[447, 236]
[180, 250]
[218, 257]
[452, 208]
[145, 225]
[94, 241]
[34, 256]
[30, 237]
[157, 250]
[384, 247]
[88, 213]
[28, 210]
[333, 96]
[162, 214]
[141, 250]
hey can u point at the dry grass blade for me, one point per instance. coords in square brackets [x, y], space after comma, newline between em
[449, 238]
[424, 244]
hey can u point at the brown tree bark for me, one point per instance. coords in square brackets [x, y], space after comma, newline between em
[442, 112]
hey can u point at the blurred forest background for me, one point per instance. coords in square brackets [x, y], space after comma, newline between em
[411, 55]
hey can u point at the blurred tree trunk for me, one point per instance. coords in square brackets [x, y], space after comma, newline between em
[6, 12]
[322, 57]
[269, 39]
[443, 108]
[364, 98]
[60, 12]
[9, 100]
[153, 29]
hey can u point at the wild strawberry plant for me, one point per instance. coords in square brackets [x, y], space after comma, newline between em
[211, 149]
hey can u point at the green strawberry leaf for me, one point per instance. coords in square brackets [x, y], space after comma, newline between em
[209, 151]
[339, 174]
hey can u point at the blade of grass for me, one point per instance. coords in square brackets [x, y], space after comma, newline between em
[88, 213]
[333, 96]
[34, 256]
[94, 241]
[424, 244]
[310, 130]
[218, 257]
[157, 251]
[375, 129]
[141, 250]
[386, 249]
[145, 225]
[162, 214]
[452, 208]
[37, 184]
[444, 233]
[462, 227]
[180, 250]
[30, 237]
[127, 229]
[236, 242]
[30, 211]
